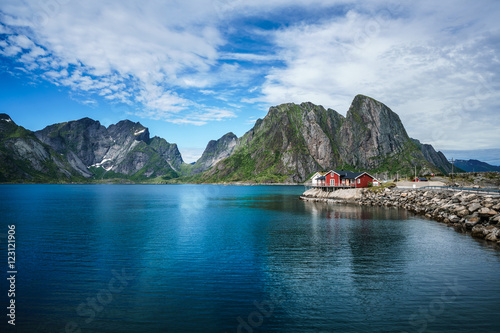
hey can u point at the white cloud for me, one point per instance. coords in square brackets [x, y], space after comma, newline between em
[251, 121]
[21, 41]
[191, 154]
[11, 50]
[249, 57]
[157, 98]
[424, 65]
[4, 30]
[149, 50]
[208, 92]
[216, 114]
[180, 61]
[187, 121]
[201, 117]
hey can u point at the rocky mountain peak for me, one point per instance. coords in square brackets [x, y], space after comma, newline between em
[126, 124]
[295, 140]
[7, 125]
[123, 148]
[227, 137]
[215, 151]
[129, 128]
[310, 107]
[371, 133]
[224, 140]
[5, 117]
[366, 110]
[84, 124]
[435, 157]
[87, 121]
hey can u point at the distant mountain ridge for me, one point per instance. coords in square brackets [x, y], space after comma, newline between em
[84, 149]
[124, 148]
[475, 166]
[288, 145]
[25, 158]
[215, 151]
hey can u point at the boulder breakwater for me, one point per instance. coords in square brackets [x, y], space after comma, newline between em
[477, 214]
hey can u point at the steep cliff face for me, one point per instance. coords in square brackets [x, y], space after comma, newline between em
[374, 138]
[293, 141]
[437, 158]
[168, 151]
[318, 128]
[290, 142]
[124, 149]
[25, 158]
[83, 142]
[215, 151]
[370, 133]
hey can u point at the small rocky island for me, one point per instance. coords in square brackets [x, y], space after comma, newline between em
[474, 213]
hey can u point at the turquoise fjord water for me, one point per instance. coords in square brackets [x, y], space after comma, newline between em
[209, 258]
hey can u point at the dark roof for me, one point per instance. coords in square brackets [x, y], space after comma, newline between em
[349, 174]
[423, 179]
[321, 178]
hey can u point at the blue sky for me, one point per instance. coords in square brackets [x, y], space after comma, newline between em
[194, 70]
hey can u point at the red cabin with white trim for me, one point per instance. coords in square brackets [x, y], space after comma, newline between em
[348, 179]
[332, 179]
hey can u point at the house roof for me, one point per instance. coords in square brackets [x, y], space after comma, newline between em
[351, 175]
[348, 174]
[342, 174]
[318, 173]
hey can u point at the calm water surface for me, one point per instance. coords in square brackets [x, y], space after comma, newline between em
[209, 258]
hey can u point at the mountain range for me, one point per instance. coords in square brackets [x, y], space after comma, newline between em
[475, 166]
[84, 149]
[288, 145]
[293, 141]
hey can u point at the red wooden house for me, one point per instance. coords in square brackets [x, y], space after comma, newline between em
[420, 179]
[332, 179]
[348, 179]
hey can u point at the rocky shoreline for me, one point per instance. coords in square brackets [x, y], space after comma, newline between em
[477, 214]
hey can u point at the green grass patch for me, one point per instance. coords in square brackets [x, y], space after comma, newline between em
[382, 187]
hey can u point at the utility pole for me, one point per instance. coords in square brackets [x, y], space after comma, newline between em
[452, 169]
[415, 173]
